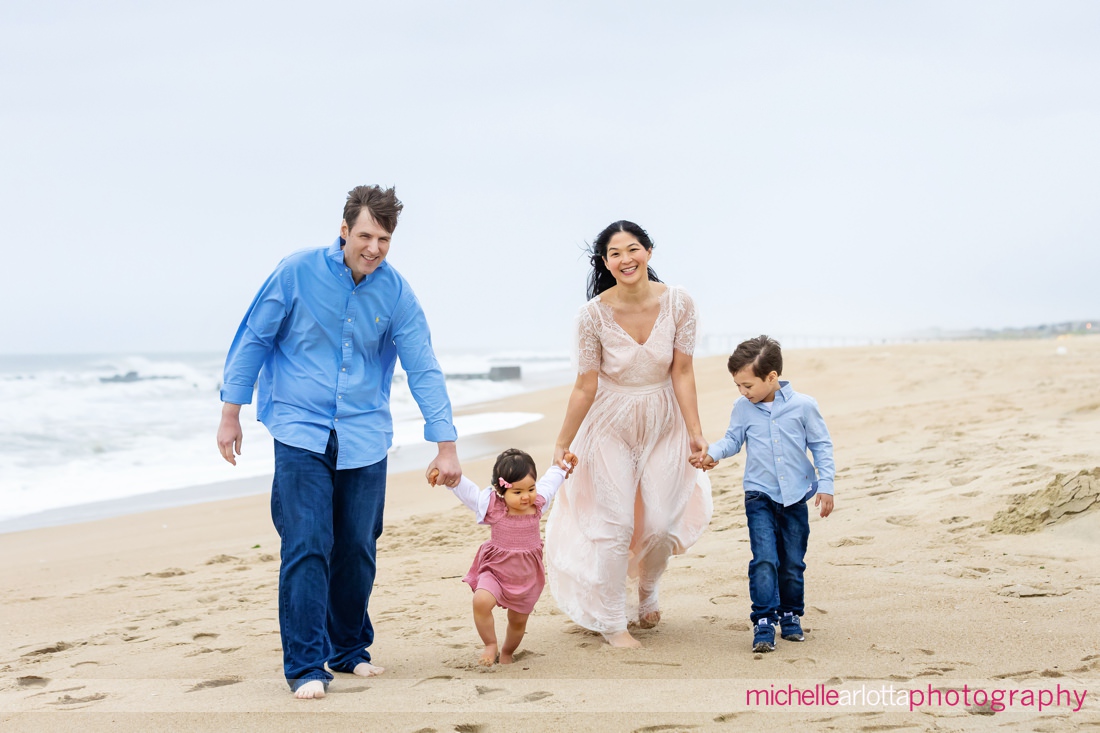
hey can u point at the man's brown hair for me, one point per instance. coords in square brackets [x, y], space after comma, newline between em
[382, 204]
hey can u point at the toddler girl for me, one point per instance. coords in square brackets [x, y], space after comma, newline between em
[508, 570]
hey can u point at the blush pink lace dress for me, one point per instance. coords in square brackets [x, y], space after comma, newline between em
[634, 499]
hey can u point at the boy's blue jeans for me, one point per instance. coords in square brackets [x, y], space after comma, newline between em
[778, 536]
[329, 521]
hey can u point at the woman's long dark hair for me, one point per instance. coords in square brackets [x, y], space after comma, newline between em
[600, 279]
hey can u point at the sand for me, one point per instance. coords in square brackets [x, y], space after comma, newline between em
[166, 620]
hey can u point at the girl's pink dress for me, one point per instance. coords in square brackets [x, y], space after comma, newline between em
[509, 565]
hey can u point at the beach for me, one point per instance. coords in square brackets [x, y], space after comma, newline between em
[962, 557]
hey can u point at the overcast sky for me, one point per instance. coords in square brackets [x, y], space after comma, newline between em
[814, 168]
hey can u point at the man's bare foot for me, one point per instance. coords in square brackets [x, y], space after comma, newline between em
[488, 656]
[623, 640]
[649, 620]
[310, 690]
[366, 669]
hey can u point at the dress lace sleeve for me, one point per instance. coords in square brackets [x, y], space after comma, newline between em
[686, 323]
[589, 349]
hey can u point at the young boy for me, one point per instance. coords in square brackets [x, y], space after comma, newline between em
[776, 425]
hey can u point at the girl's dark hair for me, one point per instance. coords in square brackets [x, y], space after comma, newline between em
[512, 465]
[600, 279]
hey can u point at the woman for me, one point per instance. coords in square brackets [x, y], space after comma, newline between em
[633, 422]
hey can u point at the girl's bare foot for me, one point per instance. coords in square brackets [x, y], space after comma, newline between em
[366, 669]
[488, 656]
[649, 620]
[505, 657]
[623, 640]
[310, 690]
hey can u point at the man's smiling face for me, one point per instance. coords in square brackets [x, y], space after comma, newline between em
[366, 245]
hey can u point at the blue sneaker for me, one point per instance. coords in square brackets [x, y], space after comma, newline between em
[763, 636]
[790, 628]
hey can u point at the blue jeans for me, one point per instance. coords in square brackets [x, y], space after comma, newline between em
[329, 521]
[778, 536]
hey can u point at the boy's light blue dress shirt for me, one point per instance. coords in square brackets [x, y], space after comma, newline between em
[775, 444]
[324, 349]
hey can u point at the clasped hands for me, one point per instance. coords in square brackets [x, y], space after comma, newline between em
[699, 457]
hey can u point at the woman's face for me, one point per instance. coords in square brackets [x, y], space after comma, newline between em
[626, 259]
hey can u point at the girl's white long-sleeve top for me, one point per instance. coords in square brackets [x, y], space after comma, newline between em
[477, 499]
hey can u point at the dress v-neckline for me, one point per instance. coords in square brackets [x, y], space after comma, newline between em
[652, 328]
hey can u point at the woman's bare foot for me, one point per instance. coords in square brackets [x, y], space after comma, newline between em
[649, 620]
[366, 669]
[623, 640]
[310, 690]
[488, 656]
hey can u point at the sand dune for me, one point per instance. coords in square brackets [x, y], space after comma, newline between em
[963, 551]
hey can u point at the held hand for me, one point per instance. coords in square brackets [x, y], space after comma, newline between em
[559, 458]
[446, 466]
[433, 474]
[568, 463]
[708, 463]
[825, 501]
[698, 451]
[230, 436]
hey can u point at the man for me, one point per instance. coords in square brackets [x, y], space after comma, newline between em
[323, 334]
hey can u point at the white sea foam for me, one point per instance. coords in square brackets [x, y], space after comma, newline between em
[69, 438]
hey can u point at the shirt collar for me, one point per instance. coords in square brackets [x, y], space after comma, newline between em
[335, 258]
[785, 389]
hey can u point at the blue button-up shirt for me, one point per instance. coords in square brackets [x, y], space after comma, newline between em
[325, 347]
[775, 445]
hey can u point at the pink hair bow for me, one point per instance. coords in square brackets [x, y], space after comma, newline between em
[504, 484]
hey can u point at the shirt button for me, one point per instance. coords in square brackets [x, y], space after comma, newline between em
[349, 320]
[343, 369]
[336, 419]
[339, 396]
[350, 345]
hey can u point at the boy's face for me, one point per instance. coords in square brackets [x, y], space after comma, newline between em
[755, 389]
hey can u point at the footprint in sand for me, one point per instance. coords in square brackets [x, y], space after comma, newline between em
[902, 520]
[437, 678]
[663, 728]
[535, 696]
[167, 573]
[52, 649]
[69, 700]
[489, 692]
[954, 520]
[204, 635]
[209, 684]
[470, 728]
[32, 681]
[724, 599]
[524, 654]
[218, 559]
[849, 541]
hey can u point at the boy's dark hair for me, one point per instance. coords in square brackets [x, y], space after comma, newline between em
[762, 352]
[512, 465]
[382, 203]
